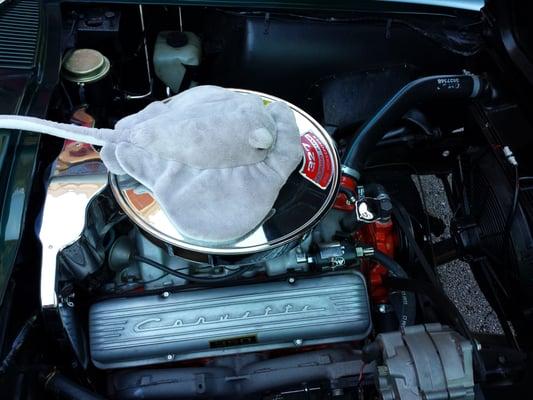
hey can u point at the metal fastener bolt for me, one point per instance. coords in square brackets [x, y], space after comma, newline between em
[298, 342]
[384, 308]
[170, 357]
[446, 153]
[165, 295]
[292, 280]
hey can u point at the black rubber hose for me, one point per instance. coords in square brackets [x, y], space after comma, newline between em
[63, 388]
[418, 91]
[407, 308]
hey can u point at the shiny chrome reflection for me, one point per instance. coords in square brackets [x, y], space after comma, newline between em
[139, 205]
[78, 176]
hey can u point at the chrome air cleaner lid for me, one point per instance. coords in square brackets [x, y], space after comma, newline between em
[306, 196]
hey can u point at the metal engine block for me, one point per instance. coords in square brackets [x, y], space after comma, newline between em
[212, 322]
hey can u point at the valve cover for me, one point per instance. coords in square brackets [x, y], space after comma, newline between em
[212, 322]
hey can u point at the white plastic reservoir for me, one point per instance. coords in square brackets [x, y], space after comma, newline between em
[174, 51]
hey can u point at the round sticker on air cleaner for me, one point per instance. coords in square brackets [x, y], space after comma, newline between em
[318, 166]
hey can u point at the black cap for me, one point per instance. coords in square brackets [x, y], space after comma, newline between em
[177, 39]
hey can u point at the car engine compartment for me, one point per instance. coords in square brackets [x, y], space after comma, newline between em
[336, 294]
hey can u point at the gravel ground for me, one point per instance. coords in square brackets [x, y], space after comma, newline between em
[456, 277]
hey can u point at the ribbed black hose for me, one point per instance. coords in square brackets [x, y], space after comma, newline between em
[407, 308]
[418, 91]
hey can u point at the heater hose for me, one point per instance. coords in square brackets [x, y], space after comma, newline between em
[415, 92]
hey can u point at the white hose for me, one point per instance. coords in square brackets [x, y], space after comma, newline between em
[94, 136]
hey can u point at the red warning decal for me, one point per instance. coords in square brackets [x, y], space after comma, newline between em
[318, 165]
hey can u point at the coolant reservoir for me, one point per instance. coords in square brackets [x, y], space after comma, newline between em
[174, 51]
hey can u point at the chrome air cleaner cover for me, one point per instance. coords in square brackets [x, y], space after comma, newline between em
[308, 194]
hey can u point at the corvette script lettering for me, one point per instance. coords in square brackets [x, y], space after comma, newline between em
[155, 324]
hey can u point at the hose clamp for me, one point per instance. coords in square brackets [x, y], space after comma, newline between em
[350, 172]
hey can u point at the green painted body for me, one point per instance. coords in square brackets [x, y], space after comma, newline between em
[18, 158]
[24, 92]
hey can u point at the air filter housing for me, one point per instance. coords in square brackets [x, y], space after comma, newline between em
[307, 195]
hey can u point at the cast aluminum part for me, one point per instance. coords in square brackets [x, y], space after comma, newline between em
[157, 279]
[331, 256]
[154, 329]
[138, 204]
[425, 362]
[230, 377]
[297, 260]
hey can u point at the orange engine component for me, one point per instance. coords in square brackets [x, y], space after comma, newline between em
[341, 202]
[383, 237]
[380, 235]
